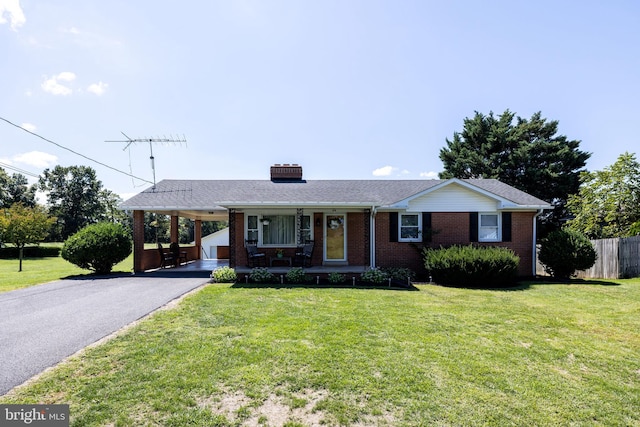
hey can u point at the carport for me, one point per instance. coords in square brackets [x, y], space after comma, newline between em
[148, 259]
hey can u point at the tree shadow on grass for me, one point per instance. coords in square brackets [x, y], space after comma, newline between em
[527, 284]
[554, 281]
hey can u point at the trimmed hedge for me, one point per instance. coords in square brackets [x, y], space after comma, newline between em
[472, 266]
[98, 247]
[30, 252]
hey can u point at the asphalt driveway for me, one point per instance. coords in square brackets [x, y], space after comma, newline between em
[41, 325]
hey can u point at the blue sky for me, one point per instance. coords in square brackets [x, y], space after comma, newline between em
[348, 89]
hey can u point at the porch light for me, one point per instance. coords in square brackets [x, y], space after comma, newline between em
[265, 221]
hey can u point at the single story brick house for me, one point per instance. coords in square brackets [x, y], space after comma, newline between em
[358, 223]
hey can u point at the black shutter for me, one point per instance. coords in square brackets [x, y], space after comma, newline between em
[506, 226]
[426, 227]
[393, 226]
[473, 226]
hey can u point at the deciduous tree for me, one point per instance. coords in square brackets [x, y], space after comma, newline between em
[23, 225]
[74, 197]
[16, 189]
[608, 203]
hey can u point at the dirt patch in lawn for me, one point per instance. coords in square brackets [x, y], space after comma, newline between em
[275, 410]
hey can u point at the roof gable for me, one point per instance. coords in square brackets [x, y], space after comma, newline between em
[455, 195]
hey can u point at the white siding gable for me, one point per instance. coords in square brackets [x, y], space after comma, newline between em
[453, 198]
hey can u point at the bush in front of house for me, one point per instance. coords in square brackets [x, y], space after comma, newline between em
[295, 275]
[224, 275]
[563, 252]
[98, 247]
[375, 276]
[472, 266]
[336, 278]
[400, 274]
[261, 275]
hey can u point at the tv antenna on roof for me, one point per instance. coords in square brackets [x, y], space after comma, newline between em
[171, 140]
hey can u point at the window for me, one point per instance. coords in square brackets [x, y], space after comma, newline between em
[489, 227]
[306, 228]
[410, 227]
[252, 227]
[277, 230]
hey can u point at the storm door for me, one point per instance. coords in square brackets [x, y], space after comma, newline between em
[335, 226]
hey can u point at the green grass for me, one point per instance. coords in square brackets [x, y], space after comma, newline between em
[546, 354]
[42, 270]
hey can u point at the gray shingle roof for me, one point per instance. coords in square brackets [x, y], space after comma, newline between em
[204, 194]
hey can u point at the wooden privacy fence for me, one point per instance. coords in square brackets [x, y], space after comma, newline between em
[618, 258]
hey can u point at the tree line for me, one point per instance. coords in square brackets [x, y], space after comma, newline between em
[75, 198]
[528, 154]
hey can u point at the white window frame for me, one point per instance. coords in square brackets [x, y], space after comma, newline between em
[410, 239]
[497, 227]
[260, 216]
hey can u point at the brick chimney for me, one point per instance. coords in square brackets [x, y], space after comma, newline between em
[286, 173]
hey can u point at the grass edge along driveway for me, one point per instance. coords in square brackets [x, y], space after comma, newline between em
[548, 354]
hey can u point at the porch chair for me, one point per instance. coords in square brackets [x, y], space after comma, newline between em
[166, 258]
[255, 258]
[178, 255]
[304, 254]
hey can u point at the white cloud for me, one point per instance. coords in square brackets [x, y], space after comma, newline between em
[98, 88]
[384, 171]
[72, 30]
[28, 126]
[429, 175]
[53, 85]
[14, 11]
[37, 159]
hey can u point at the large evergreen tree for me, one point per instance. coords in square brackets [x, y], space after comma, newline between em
[525, 153]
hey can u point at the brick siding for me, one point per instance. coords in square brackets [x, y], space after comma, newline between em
[451, 228]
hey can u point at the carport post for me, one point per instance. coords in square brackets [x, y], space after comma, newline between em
[197, 231]
[174, 229]
[138, 240]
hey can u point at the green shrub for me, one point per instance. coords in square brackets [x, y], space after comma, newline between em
[98, 247]
[261, 275]
[399, 273]
[224, 275]
[563, 252]
[374, 275]
[472, 266]
[295, 275]
[335, 278]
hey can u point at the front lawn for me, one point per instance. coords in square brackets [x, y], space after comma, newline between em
[42, 270]
[547, 354]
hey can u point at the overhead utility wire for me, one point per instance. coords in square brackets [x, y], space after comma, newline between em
[22, 171]
[74, 152]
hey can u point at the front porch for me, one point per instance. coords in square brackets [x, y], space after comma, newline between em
[208, 265]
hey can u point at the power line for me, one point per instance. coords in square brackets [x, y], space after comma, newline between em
[75, 152]
[22, 171]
